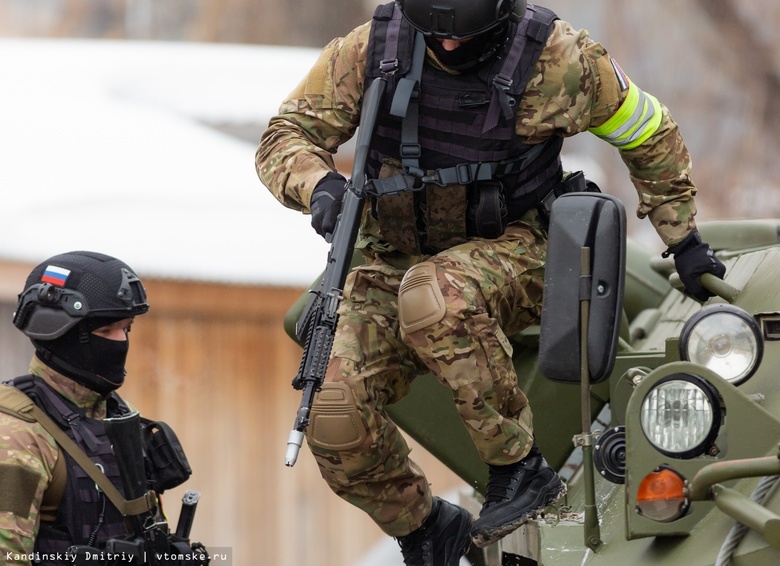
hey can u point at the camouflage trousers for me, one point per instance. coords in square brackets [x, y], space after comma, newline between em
[491, 288]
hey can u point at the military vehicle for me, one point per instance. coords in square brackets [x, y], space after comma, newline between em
[661, 413]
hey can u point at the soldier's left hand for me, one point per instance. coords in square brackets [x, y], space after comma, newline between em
[692, 259]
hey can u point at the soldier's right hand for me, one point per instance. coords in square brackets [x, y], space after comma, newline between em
[326, 203]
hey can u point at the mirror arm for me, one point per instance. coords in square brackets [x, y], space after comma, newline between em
[592, 530]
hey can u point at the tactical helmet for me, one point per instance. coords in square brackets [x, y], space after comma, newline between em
[65, 299]
[74, 286]
[458, 19]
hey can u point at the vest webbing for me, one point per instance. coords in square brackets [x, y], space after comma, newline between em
[390, 54]
[13, 401]
[127, 508]
[464, 130]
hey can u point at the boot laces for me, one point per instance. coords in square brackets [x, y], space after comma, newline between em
[503, 482]
[416, 546]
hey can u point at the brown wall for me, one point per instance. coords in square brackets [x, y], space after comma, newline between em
[213, 361]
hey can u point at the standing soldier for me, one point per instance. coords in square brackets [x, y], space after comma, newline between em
[466, 161]
[77, 308]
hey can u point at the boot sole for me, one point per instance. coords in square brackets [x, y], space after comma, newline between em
[487, 538]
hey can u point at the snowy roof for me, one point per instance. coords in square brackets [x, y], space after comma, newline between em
[104, 146]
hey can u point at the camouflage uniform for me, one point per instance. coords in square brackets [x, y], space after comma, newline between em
[491, 288]
[28, 455]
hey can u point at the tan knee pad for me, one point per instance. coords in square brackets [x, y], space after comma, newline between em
[420, 301]
[336, 423]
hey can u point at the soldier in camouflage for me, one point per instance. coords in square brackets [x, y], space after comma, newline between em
[77, 308]
[455, 259]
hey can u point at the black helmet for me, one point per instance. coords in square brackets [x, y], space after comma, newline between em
[458, 19]
[65, 299]
[74, 286]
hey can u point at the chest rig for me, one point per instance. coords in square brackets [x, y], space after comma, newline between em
[84, 516]
[445, 159]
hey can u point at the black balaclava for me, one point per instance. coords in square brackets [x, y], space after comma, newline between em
[88, 359]
[469, 54]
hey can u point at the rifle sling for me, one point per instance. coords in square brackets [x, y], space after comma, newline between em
[127, 508]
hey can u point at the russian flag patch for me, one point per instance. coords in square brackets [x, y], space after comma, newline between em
[55, 275]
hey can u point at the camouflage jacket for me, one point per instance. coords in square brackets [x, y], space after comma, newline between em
[575, 87]
[28, 455]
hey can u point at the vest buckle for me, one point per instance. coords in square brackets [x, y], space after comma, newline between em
[410, 151]
[503, 82]
[388, 67]
[463, 173]
[388, 186]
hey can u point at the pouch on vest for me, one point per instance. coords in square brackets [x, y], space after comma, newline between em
[487, 213]
[165, 456]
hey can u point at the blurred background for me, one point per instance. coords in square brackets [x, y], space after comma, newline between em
[129, 127]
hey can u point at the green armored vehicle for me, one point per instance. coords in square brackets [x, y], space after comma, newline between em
[661, 413]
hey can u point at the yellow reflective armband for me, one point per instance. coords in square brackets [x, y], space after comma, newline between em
[637, 119]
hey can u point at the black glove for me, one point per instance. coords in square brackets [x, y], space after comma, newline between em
[326, 203]
[692, 258]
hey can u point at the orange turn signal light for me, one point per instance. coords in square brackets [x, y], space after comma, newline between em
[661, 496]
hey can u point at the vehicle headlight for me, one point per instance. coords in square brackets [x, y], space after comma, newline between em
[681, 415]
[725, 339]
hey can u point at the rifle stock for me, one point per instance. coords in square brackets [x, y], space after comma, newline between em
[319, 321]
[125, 435]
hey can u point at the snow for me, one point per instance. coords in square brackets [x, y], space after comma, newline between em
[104, 146]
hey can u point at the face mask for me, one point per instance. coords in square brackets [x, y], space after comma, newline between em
[469, 54]
[108, 358]
[98, 363]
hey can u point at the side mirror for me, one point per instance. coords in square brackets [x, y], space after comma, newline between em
[596, 222]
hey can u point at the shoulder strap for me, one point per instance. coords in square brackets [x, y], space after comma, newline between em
[406, 105]
[15, 402]
[389, 43]
[527, 44]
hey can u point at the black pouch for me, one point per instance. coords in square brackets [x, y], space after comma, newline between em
[574, 183]
[487, 213]
[165, 458]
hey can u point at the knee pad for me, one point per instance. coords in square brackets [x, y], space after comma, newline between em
[420, 300]
[336, 423]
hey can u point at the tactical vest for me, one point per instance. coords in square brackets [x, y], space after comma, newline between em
[444, 141]
[78, 516]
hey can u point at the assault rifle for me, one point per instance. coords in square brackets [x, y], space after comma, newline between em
[318, 321]
[150, 542]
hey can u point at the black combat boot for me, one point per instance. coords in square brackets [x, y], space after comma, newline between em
[441, 540]
[516, 493]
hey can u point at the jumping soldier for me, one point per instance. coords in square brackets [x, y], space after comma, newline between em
[77, 308]
[464, 165]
